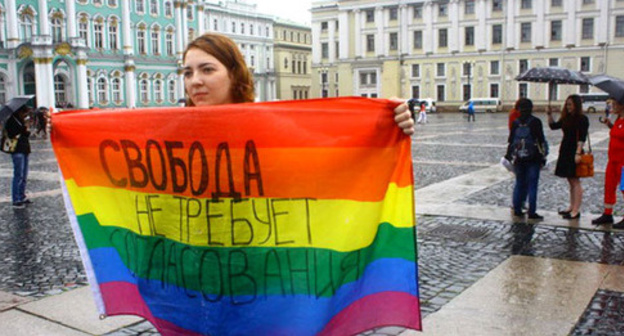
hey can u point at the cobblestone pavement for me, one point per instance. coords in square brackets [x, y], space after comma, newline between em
[40, 257]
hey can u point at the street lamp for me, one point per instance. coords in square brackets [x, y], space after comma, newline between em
[468, 65]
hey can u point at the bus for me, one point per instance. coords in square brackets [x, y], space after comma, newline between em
[594, 102]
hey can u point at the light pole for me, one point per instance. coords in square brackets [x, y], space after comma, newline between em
[468, 65]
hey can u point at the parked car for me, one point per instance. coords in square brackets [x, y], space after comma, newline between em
[483, 105]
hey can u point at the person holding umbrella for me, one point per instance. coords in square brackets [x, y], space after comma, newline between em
[575, 126]
[16, 128]
[615, 164]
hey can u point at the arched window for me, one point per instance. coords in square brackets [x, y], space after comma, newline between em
[169, 42]
[60, 95]
[285, 63]
[98, 33]
[143, 91]
[158, 91]
[155, 41]
[83, 29]
[172, 90]
[112, 3]
[3, 92]
[113, 34]
[168, 9]
[190, 12]
[116, 90]
[90, 90]
[102, 91]
[26, 27]
[141, 42]
[57, 29]
[139, 6]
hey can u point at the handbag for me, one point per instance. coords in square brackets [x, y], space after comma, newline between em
[585, 167]
[8, 145]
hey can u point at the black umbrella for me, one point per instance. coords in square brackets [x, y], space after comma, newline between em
[552, 76]
[13, 105]
[611, 85]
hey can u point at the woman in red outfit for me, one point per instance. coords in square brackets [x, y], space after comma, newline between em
[614, 166]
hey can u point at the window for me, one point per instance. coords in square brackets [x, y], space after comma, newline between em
[588, 28]
[233, 27]
[440, 70]
[83, 29]
[154, 7]
[155, 41]
[494, 91]
[494, 68]
[266, 31]
[242, 30]
[90, 90]
[523, 90]
[305, 67]
[370, 15]
[443, 9]
[285, 63]
[337, 49]
[140, 6]
[102, 90]
[113, 35]
[394, 41]
[497, 5]
[469, 7]
[368, 78]
[467, 92]
[141, 41]
[497, 34]
[415, 91]
[523, 65]
[416, 70]
[440, 91]
[159, 95]
[98, 34]
[619, 26]
[442, 38]
[143, 91]
[59, 89]
[190, 12]
[57, 30]
[418, 39]
[171, 90]
[251, 29]
[370, 43]
[588, 2]
[469, 37]
[585, 64]
[555, 3]
[525, 32]
[116, 90]
[112, 3]
[526, 4]
[555, 30]
[97, 2]
[418, 11]
[169, 9]
[324, 50]
[394, 14]
[252, 61]
[3, 90]
[215, 25]
[324, 25]
[553, 62]
[169, 43]
[26, 27]
[467, 69]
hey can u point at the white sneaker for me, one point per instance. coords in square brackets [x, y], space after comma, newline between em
[505, 163]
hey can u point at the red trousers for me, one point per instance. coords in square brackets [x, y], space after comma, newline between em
[613, 176]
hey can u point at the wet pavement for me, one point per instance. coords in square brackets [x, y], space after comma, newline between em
[460, 248]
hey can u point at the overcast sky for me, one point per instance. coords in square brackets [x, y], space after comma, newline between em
[294, 10]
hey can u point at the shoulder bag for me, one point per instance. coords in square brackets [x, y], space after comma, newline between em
[585, 167]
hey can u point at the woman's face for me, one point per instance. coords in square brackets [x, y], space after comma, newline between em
[618, 108]
[206, 80]
[570, 105]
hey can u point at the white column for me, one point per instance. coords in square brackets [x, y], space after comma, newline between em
[185, 28]
[128, 37]
[358, 33]
[429, 34]
[455, 34]
[179, 30]
[316, 42]
[44, 22]
[331, 26]
[343, 34]
[481, 33]
[131, 96]
[12, 32]
[380, 48]
[83, 89]
[201, 19]
[539, 28]
[403, 35]
[70, 7]
[602, 23]
[569, 30]
[44, 82]
[511, 25]
[12, 86]
[181, 92]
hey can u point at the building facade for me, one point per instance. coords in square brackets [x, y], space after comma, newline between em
[112, 53]
[452, 50]
[293, 57]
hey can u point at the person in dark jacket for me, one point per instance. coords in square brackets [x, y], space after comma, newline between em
[16, 128]
[528, 168]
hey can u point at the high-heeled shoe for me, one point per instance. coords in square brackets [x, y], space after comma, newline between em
[564, 212]
[569, 216]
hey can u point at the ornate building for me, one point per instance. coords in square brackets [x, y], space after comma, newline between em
[452, 50]
[293, 56]
[112, 53]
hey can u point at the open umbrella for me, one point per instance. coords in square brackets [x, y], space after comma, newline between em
[13, 105]
[552, 76]
[611, 85]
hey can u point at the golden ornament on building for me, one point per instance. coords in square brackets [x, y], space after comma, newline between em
[24, 52]
[63, 49]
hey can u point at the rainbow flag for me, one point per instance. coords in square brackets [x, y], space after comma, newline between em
[285, 218]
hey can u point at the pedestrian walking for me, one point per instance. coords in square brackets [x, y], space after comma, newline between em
[528, 149]
[16, 128]
[422, 114]
[615, 166]
[471, 111]
[575, 126]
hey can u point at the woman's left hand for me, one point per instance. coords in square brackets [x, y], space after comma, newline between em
[403, 117]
